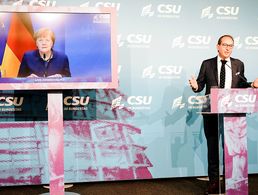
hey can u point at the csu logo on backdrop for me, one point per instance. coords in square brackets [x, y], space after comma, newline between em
[133, 102]
[147, 11]
[192, 42]
[251, 42]
[198, 41]
[120, 42]
[178, 103]
[139, 38]
[178, 42]
[11, 103]
[135, 40]
[139, 102]
[76, 103]
[207, 13]
[163, 72]
[148, 73]
[117, 103]
[237, 43]
[198, 102]
[169, 72]
[102, 4]
[220, 12]
[162, 11]
[43, 3]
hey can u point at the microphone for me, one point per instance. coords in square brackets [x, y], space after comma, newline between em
[240, 76]
[243, 78]
[45, 64]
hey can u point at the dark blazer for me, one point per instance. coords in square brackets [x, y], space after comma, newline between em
[33, 63]
[208, 75]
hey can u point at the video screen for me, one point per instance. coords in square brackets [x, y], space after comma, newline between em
[57, 48]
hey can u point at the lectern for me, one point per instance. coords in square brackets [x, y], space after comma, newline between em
[233, 104]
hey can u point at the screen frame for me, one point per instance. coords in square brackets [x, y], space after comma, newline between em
[55, 85]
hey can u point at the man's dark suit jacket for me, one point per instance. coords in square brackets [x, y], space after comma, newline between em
[33, 63]
[208, 75]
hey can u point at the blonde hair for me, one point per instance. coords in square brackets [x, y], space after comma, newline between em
[44, 32]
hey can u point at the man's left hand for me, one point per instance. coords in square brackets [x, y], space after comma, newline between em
[255, 83]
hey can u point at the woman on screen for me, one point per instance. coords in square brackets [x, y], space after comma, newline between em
[45, 61]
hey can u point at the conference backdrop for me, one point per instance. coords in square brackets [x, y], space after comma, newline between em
[149, 127]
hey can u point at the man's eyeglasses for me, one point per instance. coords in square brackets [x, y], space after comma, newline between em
[227, 45]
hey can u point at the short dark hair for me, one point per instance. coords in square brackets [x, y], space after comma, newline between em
[220, 39]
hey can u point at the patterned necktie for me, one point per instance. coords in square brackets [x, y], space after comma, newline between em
[222, 74]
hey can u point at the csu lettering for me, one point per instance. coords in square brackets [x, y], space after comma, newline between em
[76, 100]
[197, 40]
[245, 98]
[221, 10]
[11, 101]
[43, 3]
[251, 40]
[108, 4]
[139, 38]
[170, 70]
[168, 8]
[197, 99]
[139, 100]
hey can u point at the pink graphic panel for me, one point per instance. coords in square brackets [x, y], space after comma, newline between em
[234, 100]
[96, 150]
[56, 143]
[236, 159]
[231, 102]
[107, 149]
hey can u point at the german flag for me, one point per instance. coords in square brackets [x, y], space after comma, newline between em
[3, 37]
[19, 40]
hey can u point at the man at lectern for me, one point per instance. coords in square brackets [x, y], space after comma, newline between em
[45, 61]
[221, 71]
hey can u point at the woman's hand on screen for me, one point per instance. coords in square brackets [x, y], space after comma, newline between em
[55, 76]
[32, 76]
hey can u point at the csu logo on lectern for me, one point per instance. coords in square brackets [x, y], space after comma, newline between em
[245, 98]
